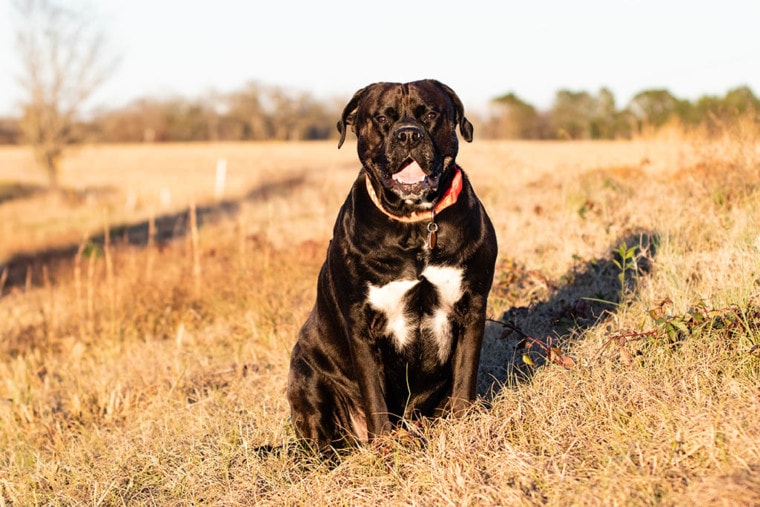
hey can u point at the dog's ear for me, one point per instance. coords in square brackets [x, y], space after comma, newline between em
[465, 127]
[349, 114]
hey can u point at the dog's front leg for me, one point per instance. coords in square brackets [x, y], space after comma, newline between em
[369, 376]
[467, 358]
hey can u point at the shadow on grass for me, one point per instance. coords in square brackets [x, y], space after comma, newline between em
[582, 299]
[27, 268]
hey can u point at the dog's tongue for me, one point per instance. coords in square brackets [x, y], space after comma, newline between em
[412, 173]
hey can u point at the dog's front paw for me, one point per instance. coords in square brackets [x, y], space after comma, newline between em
[409, 435]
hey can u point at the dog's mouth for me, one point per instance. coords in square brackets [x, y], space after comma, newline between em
[411, 180]
[410, 172]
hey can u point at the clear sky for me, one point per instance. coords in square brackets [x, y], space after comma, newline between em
[482, 49]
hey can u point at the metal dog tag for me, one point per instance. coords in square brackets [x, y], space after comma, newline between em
[432, 229]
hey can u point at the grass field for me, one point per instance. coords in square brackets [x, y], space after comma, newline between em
[146, 322]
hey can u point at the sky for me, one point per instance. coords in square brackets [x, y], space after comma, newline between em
[482, 49]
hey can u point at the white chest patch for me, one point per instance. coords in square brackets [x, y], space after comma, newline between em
[389, 299]
[405, 322]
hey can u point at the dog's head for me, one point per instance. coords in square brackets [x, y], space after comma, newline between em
[406, 139]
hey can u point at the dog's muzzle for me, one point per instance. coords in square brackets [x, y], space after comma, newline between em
[412, 177]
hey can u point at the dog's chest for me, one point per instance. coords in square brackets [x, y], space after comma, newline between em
[420, 309]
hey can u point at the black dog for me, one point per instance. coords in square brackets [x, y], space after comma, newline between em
[398, 323]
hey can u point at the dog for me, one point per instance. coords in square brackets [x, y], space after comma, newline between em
[396, 330]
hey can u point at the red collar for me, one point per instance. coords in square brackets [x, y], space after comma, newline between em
[447, 199]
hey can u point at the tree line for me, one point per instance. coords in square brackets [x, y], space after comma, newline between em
[583, 115]
[264, 112]
[253, 113]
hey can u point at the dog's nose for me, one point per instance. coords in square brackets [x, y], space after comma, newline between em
[409, 135]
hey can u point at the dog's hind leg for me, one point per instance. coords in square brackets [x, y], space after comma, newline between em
[311, 403]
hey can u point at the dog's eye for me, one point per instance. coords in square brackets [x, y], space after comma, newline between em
[381, 118]
[432, 115]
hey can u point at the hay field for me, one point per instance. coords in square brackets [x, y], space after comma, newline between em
[144, 348]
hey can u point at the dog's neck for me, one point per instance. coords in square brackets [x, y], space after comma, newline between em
[447, 199]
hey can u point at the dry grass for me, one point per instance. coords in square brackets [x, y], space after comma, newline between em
[151, 371]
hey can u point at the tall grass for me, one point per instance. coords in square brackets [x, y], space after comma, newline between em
[155, 373]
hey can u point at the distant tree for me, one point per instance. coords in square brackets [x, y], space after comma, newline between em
[604, 116]
[655, 107]
[716, 113]
[247, 115]
[316, 120]
[284, 115]
[142, 120]
[187, 120]
[571, 114]
[706, 110]
[514, 118]
[63, 64]
[741, 100]
[609, 122]
[152, 120]
[297, 117]
[735, 103]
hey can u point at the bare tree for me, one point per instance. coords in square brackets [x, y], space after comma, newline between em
[62, 65]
